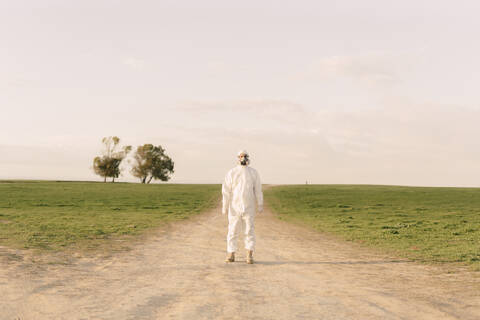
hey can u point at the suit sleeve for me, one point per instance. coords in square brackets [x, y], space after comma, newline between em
[226, 193]
[258, 191]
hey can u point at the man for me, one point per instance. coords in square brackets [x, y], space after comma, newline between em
[242, 197]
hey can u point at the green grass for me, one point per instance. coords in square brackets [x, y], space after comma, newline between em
[423, 224]
[54, 215]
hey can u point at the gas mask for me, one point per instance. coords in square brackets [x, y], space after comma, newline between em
[244, 160]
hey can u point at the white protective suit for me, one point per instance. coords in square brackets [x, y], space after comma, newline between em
[242, 196]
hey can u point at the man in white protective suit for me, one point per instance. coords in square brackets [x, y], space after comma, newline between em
[242, 198]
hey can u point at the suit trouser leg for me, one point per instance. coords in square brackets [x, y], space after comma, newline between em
[234, 226]
[249, 221]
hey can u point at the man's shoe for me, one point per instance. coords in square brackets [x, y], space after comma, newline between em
[250, 256]
[230, 257]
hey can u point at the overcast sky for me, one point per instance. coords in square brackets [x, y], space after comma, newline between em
[378, 92]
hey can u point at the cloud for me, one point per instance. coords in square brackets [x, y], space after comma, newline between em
[134, 63]
[35, 162]
[402, 142]
[278, 133]
[273, 123]
[422, 131]
[47, 156]
[372, 69]
[250, 111]
[366, 68]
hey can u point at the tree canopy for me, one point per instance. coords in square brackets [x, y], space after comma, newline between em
[151, 162]
[108, 164]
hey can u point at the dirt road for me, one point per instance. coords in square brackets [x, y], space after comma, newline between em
[179, 273]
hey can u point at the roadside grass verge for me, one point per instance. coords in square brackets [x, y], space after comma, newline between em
[434, 225]
[50, 215]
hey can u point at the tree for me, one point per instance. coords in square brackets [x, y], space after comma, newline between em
[151, 162]
[108, 164]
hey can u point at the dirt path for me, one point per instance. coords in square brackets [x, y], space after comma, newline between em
[180, 274]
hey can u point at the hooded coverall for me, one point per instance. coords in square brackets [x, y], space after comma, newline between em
[242, 196]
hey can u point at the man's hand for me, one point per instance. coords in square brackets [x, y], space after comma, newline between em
[224, 212]
[260, 209]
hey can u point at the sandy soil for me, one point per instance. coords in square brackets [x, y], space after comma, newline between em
[179, 273]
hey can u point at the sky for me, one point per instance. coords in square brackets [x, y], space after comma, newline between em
[347, 92]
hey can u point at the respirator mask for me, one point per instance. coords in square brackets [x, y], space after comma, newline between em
[244, 160]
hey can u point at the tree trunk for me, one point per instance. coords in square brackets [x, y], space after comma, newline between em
[151, 177]
[105, 179]
[143, 179]
[113, 179]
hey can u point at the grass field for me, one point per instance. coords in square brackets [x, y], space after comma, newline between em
[53, 215]
[424, 224]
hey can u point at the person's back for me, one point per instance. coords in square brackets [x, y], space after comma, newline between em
[242, 196]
